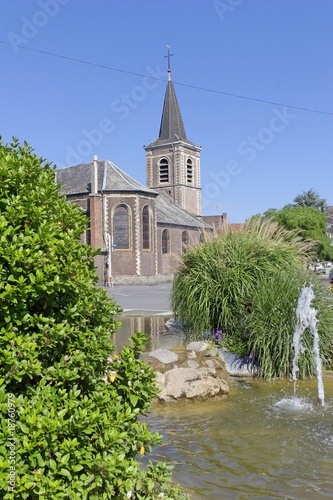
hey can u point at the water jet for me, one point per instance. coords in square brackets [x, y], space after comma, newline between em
[307, 318]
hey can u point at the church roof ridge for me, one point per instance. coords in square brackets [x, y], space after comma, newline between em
[76, 179]
[168, 212]
[127, 181]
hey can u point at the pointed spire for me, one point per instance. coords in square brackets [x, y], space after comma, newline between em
[172, 126]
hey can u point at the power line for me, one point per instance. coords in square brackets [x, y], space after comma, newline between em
[204, 89]
[256, 99]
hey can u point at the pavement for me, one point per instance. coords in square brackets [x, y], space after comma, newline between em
[148, 300]
[145, 300]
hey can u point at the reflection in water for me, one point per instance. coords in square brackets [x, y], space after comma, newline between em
[159, 335]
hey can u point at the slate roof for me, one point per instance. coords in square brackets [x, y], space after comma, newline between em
[168, 212]
[77, 179]
[172, 127]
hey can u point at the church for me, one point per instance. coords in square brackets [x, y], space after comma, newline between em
[141, 231]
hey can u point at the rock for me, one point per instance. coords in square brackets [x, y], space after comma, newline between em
[164, 356]
[212, 352]
[192, 364]
[237, 366]
[191, 383]
[194, 376]
[210, 363]
[173, 324]
[197, 346]
[159, 379]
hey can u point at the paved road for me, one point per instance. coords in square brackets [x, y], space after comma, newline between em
[142, 300]
[152, 300]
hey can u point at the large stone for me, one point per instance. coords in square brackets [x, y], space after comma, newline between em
[212, 352]
[191, 383]
[192, 364]
[237, 366]
[173, 324]
[199, 345]
[164, 356]
[210, 363]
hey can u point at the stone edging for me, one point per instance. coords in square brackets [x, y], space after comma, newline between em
[195, 372]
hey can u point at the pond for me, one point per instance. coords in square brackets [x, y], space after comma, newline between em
[159, 335]
[261, 443]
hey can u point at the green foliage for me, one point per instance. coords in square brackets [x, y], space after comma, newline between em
[214, 285]
[309, 222]
[246, 283]
[234, 344]
[273, 322]
[70, 407]
[311, 199]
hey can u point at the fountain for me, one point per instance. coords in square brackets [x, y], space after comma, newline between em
[252, 445]
[306, 317]
[257, 443]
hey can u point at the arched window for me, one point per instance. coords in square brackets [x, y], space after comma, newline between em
[164, 170]
[121, 237]
[146, 228]
[189, 170]
[165, 241]
[202, 237]
[185, 241]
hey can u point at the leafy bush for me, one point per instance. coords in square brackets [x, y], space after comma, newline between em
[246, 283]
[72, 404]
[308, 217]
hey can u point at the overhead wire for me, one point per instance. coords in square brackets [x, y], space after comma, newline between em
[196, 87]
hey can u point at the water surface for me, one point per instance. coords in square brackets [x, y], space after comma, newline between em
[260, 443]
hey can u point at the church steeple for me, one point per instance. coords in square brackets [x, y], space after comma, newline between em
[172, 126]
[172, 161]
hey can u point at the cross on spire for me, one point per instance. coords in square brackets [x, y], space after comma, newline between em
[168, 56]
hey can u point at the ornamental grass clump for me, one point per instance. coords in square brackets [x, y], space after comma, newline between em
[70, 406]
[246, 283]
[273, 322]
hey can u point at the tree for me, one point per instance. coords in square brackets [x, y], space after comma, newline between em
[311, 199]
[309, 222]
[71, 402]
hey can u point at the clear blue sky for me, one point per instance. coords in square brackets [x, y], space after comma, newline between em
[256, 154]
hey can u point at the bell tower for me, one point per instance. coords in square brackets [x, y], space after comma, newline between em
[172, 161]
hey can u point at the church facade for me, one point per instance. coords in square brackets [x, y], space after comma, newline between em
[142, 231]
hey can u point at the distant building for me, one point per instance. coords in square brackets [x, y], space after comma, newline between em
[219, 223]
[141, 230]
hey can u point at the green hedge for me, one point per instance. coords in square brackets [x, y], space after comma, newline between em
[70, 407]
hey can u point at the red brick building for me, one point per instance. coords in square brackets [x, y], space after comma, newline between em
[141, 230]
